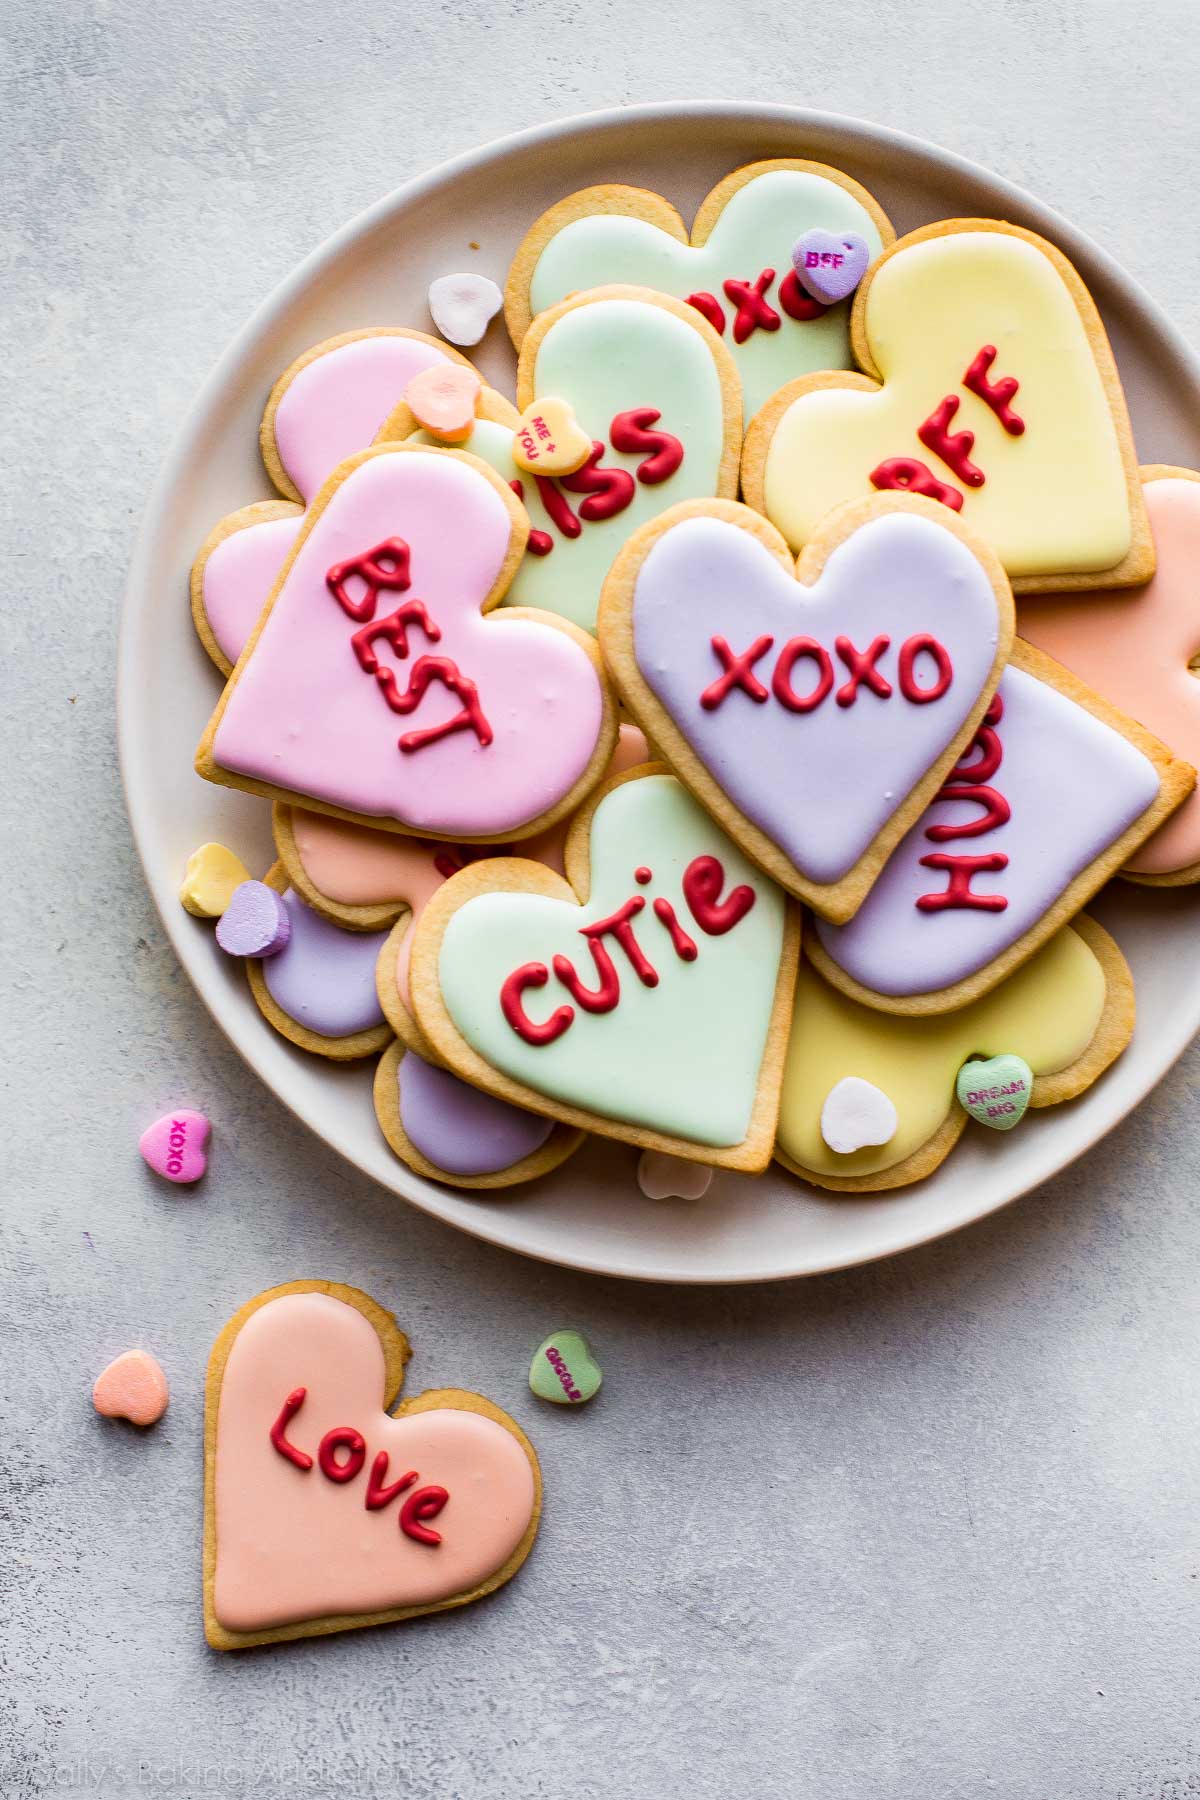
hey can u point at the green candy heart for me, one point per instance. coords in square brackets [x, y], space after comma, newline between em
[564, 1371]
[995, 1092]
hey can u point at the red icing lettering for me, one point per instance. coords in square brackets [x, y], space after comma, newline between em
[963, 783]
[609, 491]
[860, 665]
[379, 1492]
[921, 644]
[394, 631]
[987, 742]
[384, 566]
[710, 307]
[996, 394]
[342, 1437]
[426, 1503]
[538, 543]
[532, 975]
[737, 672]
[958, 891]
[683, 945]
[559, 509]
[618, 925]
[287, 1413]
[753, 312]
[642, 875]
[954, 448]
[630, 432]
[914, 477]
[996, 812]
[795, 302]
[447, 864]
[703, 880]
[428, 669]
[781, 682]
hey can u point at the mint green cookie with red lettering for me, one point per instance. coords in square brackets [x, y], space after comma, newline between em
[564, 1370]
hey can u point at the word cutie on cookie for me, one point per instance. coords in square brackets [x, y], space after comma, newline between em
[377, 688]
[646, 998]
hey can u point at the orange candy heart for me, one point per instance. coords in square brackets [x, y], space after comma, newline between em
[133, 1387]
[442, 398]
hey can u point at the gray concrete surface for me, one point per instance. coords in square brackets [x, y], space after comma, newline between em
[925, 1532]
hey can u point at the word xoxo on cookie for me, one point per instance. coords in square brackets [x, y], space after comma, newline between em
[320, 1504]
[375, 687]
[814, 710]
[990, 387]
[735, 270]
[642, 1001]
[656, 392]
[1056, 793]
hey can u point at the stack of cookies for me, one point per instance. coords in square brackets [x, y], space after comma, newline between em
[713, 744]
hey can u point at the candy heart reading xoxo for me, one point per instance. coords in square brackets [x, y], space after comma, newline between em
[656, 392]
[1138, 650]
[741, 241]
[1068, 1011]
[443, 401]
[999, 397]
[463, 306]
[211, 879]
[995, 1092]
[564, 1371]
[814, 720]
[174, 1146]
[1057, 792]
[132, 1387]
[322, 1510]
[830, 265]
[404, 553]
[548, 439]
[690, 948]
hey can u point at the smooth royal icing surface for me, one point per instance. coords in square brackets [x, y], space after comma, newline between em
[756, 230]
[681, 1057]
[356, 865]
[820, 784]
[459, 1128]
[1073, 785]
[1135, 647]
[1049, 1011]
[238, 576]
[1054, 497]
[325, 977]
[292, 1544]
[305, 715]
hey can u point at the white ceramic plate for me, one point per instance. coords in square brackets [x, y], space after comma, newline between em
[376, 271]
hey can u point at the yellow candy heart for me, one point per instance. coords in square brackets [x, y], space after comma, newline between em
[212, 874]
[549, 440]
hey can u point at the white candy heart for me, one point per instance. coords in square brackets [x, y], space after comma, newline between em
[664, 1177]
[463, 306]
[856, 1113]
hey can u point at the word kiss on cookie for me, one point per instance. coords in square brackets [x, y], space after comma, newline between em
[646, 997]
[814, 709]
[376, 688]
[324, 1511]
[988, 386]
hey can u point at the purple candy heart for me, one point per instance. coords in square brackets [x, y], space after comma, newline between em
[255, 923]
[830, 264]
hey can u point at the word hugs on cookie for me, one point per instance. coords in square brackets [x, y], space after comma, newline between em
[341, 1455]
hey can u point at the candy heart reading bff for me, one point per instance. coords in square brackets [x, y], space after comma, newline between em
[255, 923]
[564, 1371]
[995, 1092]
[830, 264]
[443, 401]
[174, 1146]
[548, 439]
[463, 306]
[856, 1113]
[132, 1387]
[212, 877]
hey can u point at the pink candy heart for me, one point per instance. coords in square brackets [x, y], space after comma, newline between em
[829, 264]
[133, 1387]
[174, 1146]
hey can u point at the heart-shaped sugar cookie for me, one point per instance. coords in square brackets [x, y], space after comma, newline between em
[736, 269]
[815, 711]
[641, 1001]
[319, 991]
[324, 1511]
[989, 386]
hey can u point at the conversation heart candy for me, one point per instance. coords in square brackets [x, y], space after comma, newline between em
[995, 1092]
[174, 1146]
[549, 440]
[212, 876]
[665, 1177]
[830, 264]
[564, 1371]
[255, 923]
[856, 1113]
[463, 306]
[442, 399]
[132, 1387]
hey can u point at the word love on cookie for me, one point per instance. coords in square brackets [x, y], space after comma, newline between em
[813, 711]
[507, 720]
[422, 1503]
[644, 1015]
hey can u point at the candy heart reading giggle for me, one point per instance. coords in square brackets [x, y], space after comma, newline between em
[656, 392]
[1068, 1013]
[667, 963]
[996, 1091]
[814, 710]
[991, 388]
[564, 1371]
[375, 687]
[1056, 793]
[1139, 650]
[322, 1510]
[741, 242]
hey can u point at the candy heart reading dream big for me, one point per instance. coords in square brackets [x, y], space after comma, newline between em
[996, 1091]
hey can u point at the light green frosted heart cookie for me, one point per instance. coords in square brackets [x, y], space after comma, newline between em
[564, 1370]
[995, 1092]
